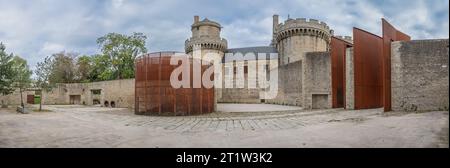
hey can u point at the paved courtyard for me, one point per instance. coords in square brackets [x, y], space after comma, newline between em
[83, 126]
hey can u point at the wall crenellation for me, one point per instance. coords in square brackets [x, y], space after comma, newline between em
[304, 22]
[206, 43]
[303, 26]
[206, 34]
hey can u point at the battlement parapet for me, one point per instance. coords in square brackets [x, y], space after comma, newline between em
[303, 27]
[290, 23]
[206, 42]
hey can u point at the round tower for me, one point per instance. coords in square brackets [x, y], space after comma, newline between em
[206, 35]
[295, 37]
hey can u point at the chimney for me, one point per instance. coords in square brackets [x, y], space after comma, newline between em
[196, 19]
[275, 22]
[274, 28]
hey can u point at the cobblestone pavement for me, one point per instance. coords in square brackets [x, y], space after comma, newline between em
[80, 126]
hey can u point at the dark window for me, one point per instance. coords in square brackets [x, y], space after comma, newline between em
[96, 92]
[95, 101]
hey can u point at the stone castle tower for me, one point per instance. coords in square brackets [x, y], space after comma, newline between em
[206, 35]
[295, 37]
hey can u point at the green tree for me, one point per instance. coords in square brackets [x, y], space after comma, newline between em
[43, 74]
[121, 51]
[63, 67]
[22, 78]
[84, 68]
[101, 69]
[6, 71]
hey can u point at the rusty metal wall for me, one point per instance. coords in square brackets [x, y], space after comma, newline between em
[368, 69]
[338, 48]
[156, 96]
[390, 34]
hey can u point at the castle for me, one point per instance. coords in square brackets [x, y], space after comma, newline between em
[291, 41]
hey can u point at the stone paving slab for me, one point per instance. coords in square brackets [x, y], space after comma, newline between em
[81, 126]
[254, 107]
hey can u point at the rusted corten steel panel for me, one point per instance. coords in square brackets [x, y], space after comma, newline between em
[338, 48]
[155, 94]
[390, 34]
[367, 69]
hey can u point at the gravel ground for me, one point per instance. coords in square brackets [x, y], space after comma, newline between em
[82, 126]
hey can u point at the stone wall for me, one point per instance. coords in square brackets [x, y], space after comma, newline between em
[236, 94]
[240, 95]
[14, 98]
[420, 75]
[249, 70]
[317, 80]
[349, 80]
[289, 85]
[294, 48]
[121, 92]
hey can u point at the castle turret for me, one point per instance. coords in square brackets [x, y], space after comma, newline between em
[206, 34]
[295, 37]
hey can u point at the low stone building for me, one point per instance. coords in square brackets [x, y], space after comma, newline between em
[116, 93]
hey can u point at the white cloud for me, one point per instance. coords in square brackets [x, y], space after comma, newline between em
[35, 29]
[245, 33]
[117, 3]
[50, 48]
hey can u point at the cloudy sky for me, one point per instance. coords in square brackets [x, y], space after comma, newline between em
[34, 29]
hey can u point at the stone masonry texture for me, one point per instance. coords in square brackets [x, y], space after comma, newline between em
[317, 80]
[349, 80]
[420, 75]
